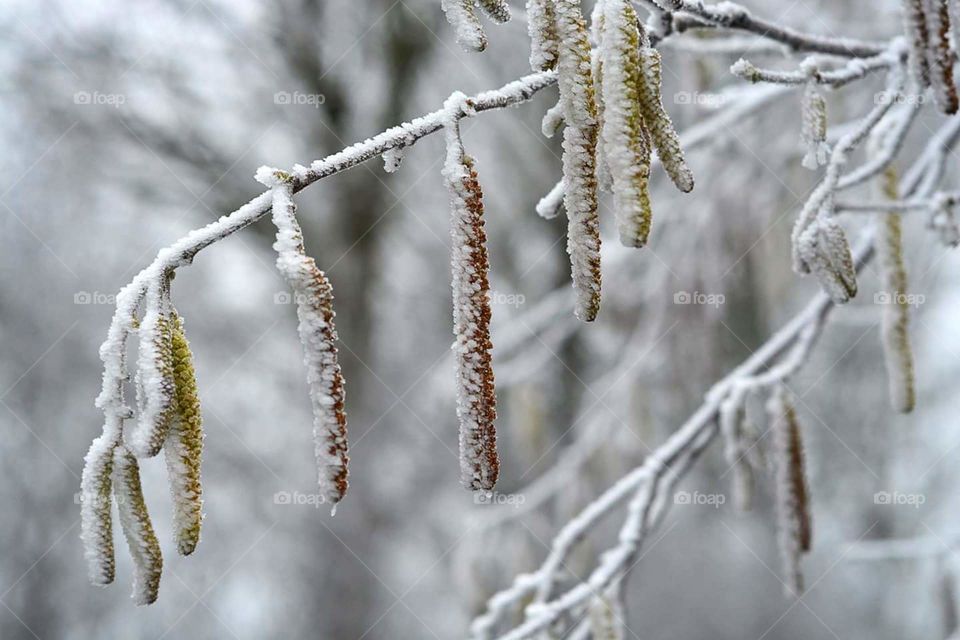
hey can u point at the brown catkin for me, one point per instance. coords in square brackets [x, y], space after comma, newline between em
[941, 56]
[791, 494]
[476, 395]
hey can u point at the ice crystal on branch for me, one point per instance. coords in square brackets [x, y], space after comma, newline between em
[476, 396]
[314, 297]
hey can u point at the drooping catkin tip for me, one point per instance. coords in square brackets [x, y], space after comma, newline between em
[137, 527]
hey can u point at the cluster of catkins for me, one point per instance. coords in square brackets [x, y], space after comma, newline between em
[927, 24]
[611, 107]
[612, 116]
[169, 420]
[168, 413]
[784, 458]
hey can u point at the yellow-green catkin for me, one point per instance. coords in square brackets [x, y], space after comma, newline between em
[895, 330]
[579, 156]
[155, 384]
[626, 138]
[137, 528]
[183, 448]
[658, 122]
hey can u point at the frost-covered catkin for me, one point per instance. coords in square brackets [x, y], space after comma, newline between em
[579, 157]
[813, 128]
[137, 528]
[496, 10]
[732, 417]
[183, 448]
[542, 27]
[658, 122]
[476, 396]
[822, 249]
[96, 523]
[896, 313]
[915, 26]
[318, 336]
[626, 142]
[155, 387]
[606, 618]
[794, 528]
[940, 56]
[462, 15]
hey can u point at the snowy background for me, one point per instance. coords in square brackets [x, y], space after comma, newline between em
[125, 125]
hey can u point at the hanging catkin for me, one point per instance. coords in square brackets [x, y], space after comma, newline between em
[96, 521]
[821, 248]
[496, 10]
[940, 56]
[606, 617]
[155, 386]
[314, 297]
[137, 528]
[915, 26]
[731, 419]
[183, 448]
[462, 15]
[476, 397]
[542, 27]
[896, 313]
[661, 129]
[813, 127]
[579, 157]
[626, 142]
[792, 501]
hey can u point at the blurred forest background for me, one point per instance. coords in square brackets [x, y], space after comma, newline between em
[125, 125]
